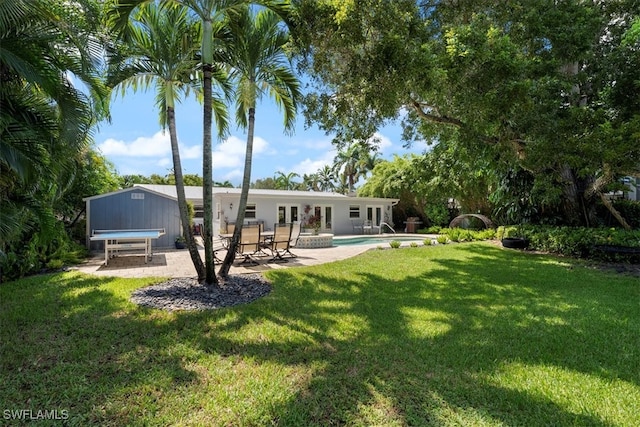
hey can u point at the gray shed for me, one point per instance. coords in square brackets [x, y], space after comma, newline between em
[130, 209]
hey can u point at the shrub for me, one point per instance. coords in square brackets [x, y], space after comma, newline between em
[442, 239]
[573, 241]
[394, 244]
[413, 244]
[427, 242]
[454, 234]
[434, 229]
[467, 235]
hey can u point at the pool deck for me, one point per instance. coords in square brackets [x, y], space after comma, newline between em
[177, 263]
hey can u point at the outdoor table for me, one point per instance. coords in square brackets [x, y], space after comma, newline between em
[116, 240]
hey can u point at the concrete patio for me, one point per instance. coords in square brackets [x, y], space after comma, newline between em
[177, 263]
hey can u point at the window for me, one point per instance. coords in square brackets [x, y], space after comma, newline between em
[354, 211]
[250, 212]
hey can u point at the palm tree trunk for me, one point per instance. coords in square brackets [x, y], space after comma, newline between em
[182, 200]
[207, 177]
[244, 196]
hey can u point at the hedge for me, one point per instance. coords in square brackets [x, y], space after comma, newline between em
[610, 244]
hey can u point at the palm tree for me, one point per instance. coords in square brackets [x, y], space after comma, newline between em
[161, 50]
[353, 163]
[45, 121]
[213, 14]
[285, 181]
[326, 178]
[310, 182]
[260, 66]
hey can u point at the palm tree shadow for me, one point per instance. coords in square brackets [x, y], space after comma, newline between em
[385, 364]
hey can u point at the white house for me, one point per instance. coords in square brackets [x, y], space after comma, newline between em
[337, 212]
[155, 206]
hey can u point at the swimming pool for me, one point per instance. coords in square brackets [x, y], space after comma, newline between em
[375, 240]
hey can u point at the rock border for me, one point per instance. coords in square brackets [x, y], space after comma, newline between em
[187, 294]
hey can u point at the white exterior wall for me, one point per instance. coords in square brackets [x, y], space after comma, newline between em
[227, 200]
[340, 222]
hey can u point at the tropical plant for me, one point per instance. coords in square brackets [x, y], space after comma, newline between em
[326, 178]
[354, 162]
[257, 56]
[46, 48]
[161, 50]
[286, 181]
[310, 182]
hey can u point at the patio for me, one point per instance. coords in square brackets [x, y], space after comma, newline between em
[177, 263]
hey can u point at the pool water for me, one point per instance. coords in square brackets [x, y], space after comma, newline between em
[373, 240]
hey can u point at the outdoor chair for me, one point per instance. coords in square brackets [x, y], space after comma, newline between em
[279, 243]
[357, 226]
[229, 232]
[219, 245]
[293, 239]
[249, 244]
[367, 227]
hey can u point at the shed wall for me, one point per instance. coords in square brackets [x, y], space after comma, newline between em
[136, 209]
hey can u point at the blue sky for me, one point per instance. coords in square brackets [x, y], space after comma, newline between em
[134, 142]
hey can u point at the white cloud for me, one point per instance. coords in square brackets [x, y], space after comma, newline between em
[193, 152]
[157, 145]
[144, 146]
[165, 162]
[230, 153]
[308, 166]
[384, 143]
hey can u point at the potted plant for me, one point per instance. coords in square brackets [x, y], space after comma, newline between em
[181, 242]
[314, 222]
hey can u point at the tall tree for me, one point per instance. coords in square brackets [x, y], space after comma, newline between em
[260, 66]
[533, 85]
[326, 178]
[161, 50]
[213, 15]
[354, 162]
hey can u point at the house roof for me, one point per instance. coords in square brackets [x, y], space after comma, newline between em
[194, 193]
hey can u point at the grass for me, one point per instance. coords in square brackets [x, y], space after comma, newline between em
[448, 335]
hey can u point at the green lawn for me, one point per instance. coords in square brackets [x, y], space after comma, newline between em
[466, 334]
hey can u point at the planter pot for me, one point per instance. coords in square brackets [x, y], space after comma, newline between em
[181, 245]
[515, 242]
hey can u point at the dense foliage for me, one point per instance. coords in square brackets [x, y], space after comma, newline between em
[540, 97]
[607, 244]
[48, 50]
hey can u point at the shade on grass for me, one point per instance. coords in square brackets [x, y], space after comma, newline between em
[465, 334]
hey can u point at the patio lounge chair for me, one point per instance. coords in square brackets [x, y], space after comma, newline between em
[369, 227]
[293, 240]
[218, 245]
[279, 244]
[249, 243]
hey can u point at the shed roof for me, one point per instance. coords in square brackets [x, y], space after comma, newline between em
[134, 188]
